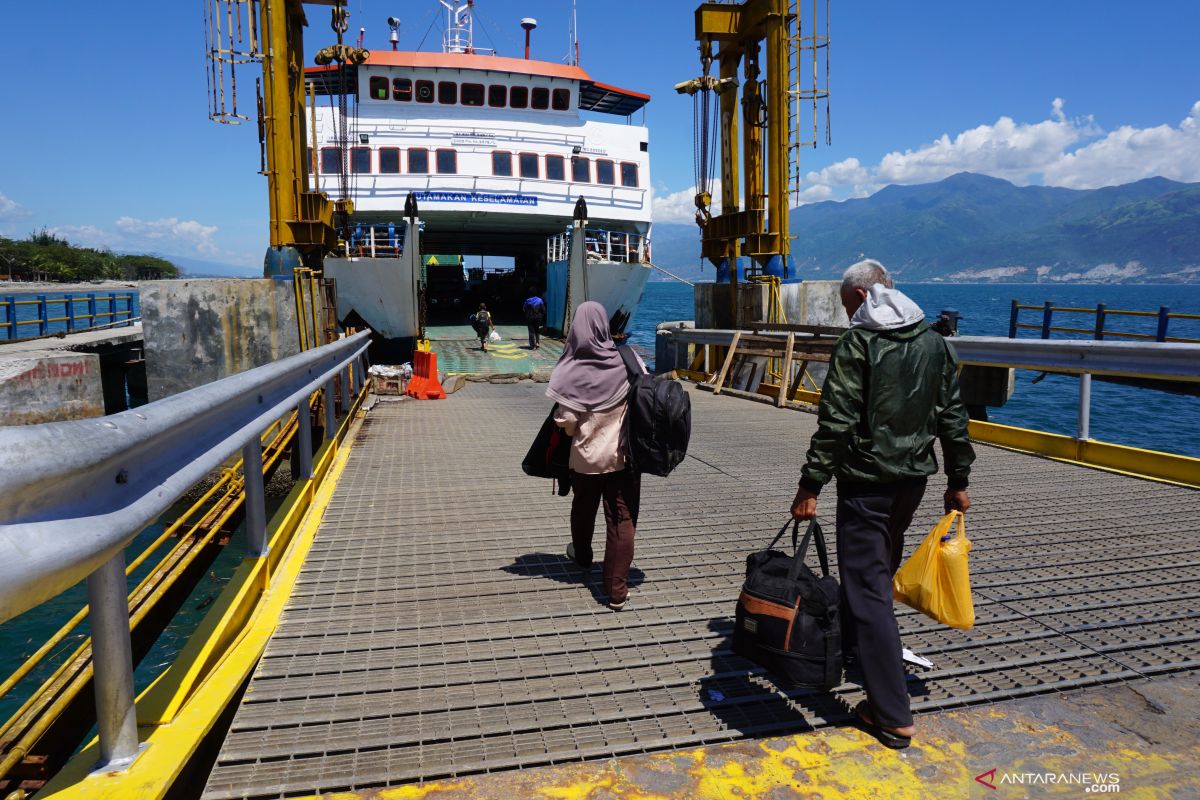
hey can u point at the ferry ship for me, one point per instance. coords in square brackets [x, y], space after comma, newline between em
[496, 157]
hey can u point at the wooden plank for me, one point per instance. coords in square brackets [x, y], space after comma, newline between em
[787, 366]
[737, 335]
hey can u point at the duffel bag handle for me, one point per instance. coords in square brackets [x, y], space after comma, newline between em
[801, 550]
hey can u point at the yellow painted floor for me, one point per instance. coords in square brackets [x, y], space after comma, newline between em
[1142, 739]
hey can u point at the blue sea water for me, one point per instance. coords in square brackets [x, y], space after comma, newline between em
[1120, 414]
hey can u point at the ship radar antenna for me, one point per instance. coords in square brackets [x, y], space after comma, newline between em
[460, 26]
[394, 37]
[528, 24]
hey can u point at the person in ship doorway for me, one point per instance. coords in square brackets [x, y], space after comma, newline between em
[590, 383]
[483, 326]
[892, 389]
[535, 314]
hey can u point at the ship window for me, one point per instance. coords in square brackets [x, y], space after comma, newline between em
[402, 89]
[379, 87]
[518, 97]
[501, 163]
[555, 168]
[447, 162]
[497, 95]
[308, 154]
[424, 91]
[389, 160]
[541, 98]
[447, 93]
[331, 160]
[604, 172]
[418, 160]
[529, 165]
[581, 170]
[562, 100]
[472, 94]
[629, 174]
[360, 159]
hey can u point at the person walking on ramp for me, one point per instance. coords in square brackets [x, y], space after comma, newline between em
[892, 389]
[535, 314]
[590, 383]
[483, 326]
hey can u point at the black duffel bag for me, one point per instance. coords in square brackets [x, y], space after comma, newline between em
[549, 455]
[787, 615]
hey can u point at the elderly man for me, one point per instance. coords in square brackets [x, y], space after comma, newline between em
[892, 389]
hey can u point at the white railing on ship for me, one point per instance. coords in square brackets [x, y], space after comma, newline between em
[605, 245]
[74, 494]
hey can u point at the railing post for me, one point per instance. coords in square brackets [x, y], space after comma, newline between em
[304, 440]
[70, 307]
[330, 411]
[1012, 320]
[1047, 312]
[345, 376]
[1085, 406]
[1164, 317]
[91, 309]
[112, 664]
[1099, 321]
[11, 302]
[256, 502]
[112, 306]
[42, 315]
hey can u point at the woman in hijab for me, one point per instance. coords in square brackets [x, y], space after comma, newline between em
[590, 385]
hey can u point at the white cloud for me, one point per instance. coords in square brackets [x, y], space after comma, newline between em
[1130, 154]
[848, 177]
[1018, 152]
[169, 236]
[1058, 151]
[10, 209]
[681, 206]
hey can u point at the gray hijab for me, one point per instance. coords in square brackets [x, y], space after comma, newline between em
[590, 375]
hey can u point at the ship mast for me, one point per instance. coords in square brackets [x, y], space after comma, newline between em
[460, 26]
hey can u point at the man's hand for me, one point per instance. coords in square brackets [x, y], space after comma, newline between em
[805, 504]
[957, 500]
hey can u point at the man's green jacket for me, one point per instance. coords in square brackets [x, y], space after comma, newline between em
[888, 395]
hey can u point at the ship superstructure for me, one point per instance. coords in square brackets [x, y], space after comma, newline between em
[493, 155]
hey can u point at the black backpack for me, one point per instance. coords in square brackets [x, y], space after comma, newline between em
[659, 420]
[787, 615]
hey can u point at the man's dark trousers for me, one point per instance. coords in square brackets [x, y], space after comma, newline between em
[534, 337]
[871, 521]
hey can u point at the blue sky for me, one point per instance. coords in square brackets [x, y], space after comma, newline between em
[106, 140]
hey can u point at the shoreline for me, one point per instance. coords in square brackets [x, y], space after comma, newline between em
[51, 287]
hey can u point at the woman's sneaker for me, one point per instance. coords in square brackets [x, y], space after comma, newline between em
[618, 606]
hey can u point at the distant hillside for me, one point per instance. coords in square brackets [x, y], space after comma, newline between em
[195, 268]
[976, 228]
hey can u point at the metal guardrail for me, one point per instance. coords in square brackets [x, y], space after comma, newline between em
[74, 494]
[1100, 315]
[1164, 361]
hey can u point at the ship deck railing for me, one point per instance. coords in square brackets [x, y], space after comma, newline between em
[602, 244]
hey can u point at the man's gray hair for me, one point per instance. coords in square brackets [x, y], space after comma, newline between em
[865, 274]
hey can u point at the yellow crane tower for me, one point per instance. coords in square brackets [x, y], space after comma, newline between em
[770, 42]
[239, 33]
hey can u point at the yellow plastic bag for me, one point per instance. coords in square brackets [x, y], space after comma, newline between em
[935, 579]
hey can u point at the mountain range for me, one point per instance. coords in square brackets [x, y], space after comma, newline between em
[975, 228]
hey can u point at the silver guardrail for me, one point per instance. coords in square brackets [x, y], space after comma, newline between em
[1159, 360]
[74, 494]
[1165, 361]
